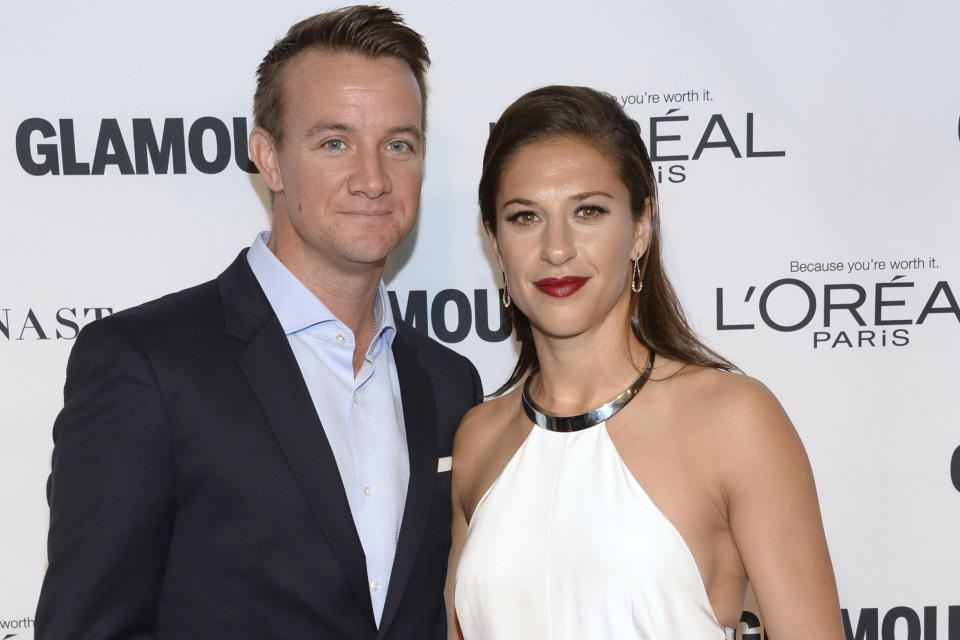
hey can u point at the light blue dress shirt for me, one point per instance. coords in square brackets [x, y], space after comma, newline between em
[362, 415]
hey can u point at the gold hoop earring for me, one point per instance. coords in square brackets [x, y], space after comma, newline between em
[505, 295]
[636, 280]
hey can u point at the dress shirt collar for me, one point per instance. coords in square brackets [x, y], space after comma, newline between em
[296, 306]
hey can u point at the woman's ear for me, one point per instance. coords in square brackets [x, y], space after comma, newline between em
[643, 228]
[496, 246]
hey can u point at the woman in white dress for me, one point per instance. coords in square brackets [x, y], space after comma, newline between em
[630, 482]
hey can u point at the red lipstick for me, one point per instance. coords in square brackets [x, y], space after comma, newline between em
[561, 287]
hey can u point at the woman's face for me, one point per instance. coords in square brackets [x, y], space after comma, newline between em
[566, 235]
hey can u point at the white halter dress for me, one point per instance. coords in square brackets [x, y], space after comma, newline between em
[566, 545]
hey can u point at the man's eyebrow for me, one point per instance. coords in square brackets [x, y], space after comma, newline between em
[320, 128]
[411, 129]
[326, 127]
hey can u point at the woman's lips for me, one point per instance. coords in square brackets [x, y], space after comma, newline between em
[561, 287]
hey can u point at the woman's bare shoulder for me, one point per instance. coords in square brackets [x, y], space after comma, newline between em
[737, 430]
[484, 424]
[736, 408]
[480, 447]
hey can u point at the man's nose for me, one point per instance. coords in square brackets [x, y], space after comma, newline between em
[369, 176]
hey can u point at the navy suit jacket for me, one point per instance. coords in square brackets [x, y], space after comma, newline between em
[194, 495]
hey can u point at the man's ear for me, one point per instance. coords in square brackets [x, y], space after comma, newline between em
[643, 228]
[263, 152]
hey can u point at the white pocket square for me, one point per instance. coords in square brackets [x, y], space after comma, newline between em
[444, 464]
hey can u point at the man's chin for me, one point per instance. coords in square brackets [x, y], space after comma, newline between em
[373, 249]
[366, 259]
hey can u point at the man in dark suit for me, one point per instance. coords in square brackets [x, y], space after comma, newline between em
[267, 455]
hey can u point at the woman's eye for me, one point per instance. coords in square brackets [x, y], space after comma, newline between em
[590, 211]
[523, 217]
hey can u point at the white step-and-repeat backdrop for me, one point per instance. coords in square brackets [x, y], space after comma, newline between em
[809, 164]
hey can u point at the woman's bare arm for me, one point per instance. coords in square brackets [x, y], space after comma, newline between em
[465, 450]
[775, 520]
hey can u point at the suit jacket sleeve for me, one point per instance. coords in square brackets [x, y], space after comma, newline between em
[477, 385]
[111, 493]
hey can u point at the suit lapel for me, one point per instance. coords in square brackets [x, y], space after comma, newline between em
[272, 371]
[420, 420]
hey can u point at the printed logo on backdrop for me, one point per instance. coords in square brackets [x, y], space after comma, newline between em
[452, 314]
[32, 324]
[844, 304]
[691, 128]
[141, 146]
[897, 623]
[11, 627]
[674, 138]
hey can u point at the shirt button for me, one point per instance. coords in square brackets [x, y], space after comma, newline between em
[356, 398]
[341, 339]
[367, 491]
[374, 585]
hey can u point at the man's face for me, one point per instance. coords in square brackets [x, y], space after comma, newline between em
[350, 166]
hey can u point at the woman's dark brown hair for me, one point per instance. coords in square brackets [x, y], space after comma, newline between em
[656, 317]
